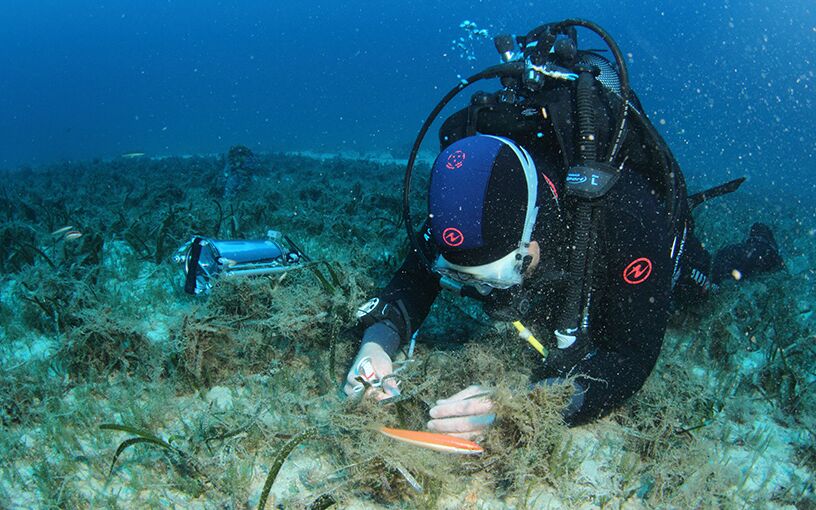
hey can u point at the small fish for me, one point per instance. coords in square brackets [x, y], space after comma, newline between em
[132, 155]
[72, 234]
[434, 441]
[60, 231]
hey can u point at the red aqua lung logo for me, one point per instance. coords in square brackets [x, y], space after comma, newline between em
[455, 160]
[637, 271]
[453, 237]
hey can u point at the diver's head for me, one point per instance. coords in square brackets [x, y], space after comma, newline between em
[482, 210]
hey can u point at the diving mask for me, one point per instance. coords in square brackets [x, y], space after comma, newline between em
[500, 274]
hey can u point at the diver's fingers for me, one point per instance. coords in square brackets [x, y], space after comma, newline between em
[351, 382]
[388, 389]
[351, 378]
[352, 388]
[468, 392]
[391, 387]
[470, 407]
[461, 424]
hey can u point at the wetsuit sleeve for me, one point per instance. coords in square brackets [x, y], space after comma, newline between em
[629, 312]
[412, 290]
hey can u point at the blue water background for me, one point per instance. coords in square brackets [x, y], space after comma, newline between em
[729, 84]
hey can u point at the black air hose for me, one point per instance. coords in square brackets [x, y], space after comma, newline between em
[582, 225]
[577, 266]
[586, 117]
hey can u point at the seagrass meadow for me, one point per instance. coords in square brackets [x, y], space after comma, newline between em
[121, 391]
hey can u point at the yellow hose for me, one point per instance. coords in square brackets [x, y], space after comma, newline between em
[526, 334]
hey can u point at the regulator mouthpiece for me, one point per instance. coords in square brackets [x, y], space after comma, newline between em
[203, 259]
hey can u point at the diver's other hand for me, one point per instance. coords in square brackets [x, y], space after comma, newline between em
[372, 365]
[466, 414]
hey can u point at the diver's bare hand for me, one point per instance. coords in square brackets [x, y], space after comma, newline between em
[466, 414]
[369, 373]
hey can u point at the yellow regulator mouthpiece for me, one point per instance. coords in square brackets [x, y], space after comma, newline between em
[526, 334]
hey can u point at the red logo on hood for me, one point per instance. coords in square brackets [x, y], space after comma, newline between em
[455, 160]
[637, 271]
[453, 237]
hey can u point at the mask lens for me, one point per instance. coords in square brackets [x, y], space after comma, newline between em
[502, 274]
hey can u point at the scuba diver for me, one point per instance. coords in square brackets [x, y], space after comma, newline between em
[556, 203]
[240, 166]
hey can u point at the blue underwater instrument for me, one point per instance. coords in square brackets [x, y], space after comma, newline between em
[203, 259]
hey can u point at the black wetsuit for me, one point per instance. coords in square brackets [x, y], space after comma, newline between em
[641, 257]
